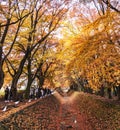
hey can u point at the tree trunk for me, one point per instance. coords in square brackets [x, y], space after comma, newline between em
[79, 85]
[109, 93]
[1, 68]
[14, 87]
[1, 76]
[114, 91]
[30, 79]
[1, 52]
[118, 92]
[41, 82]
[27, 91]
[17, 76]
[102, 91]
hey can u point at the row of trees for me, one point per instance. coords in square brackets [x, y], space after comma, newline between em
[26, 47]
[94, 51]
[90, 50]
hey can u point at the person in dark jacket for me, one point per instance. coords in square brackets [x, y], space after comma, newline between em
[6, 94]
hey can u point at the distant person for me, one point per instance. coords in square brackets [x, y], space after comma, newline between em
[31, 93]
[10, 94]
[36, 93]
[39, 92]
[42, 92]
[7, 94]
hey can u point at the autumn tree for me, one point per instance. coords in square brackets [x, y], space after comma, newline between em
[39, 64]
[41, 23]
[11, 21]
[94, 47]
[101, 50]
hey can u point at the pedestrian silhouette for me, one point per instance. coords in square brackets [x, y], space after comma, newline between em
[6, 94]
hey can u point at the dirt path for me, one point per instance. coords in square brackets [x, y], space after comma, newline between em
[69, 115]
[55, 112]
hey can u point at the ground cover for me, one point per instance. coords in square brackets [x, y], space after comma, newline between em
[75, 111]
[103, 114]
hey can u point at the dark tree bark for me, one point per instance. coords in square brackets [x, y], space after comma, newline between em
[17, 75]
[27, 91]
[5, 27]
[109, 93]
[102, 91]
[41, 81]
[114, 91]
[111, 6]
[118, 92]
[40, 75]
[31, 76]
[1, 53]
[1, 75]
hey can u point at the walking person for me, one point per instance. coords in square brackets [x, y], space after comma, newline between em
[10, 94]
[6, 94]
